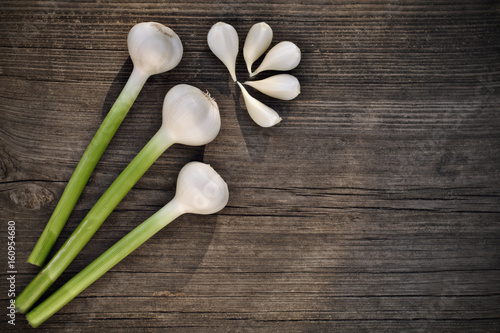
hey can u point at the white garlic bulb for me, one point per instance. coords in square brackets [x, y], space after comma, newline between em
[283, 56]
[200, 189]
[281, 86]
[261, 114]
[190, 116]
[154, 48]
[258, 40]
[223, 41]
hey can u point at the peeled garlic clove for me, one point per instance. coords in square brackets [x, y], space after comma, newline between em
[190, 116]
[223, 41]
[262, 114]
[283, 56]
[281, 86]
[258, 40]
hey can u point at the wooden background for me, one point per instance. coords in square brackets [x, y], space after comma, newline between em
[373, 206]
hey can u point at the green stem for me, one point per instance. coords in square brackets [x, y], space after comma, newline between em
[85, 167]
[95, 217]
[104, 263]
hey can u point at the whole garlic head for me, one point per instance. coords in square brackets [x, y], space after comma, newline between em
[200, 189]
[154, 48]
[190, 116]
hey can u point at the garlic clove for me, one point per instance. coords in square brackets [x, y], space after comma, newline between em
[282, 86]
[200, 189]
[154, 48]
[223, 41]
[190, 116]
[261, 114]
[258, 40]
[283, 56]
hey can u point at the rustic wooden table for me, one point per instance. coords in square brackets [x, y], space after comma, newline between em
[373, 206]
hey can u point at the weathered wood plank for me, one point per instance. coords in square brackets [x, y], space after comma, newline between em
[373, 206]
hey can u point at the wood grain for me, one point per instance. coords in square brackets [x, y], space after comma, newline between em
[373, 206]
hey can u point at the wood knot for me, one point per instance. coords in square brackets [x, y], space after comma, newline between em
[31, 196]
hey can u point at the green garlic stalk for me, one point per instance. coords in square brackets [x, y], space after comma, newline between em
[190, 117]
[200, 190]
[154, 49]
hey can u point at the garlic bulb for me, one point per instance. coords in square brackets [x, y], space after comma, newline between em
[154, 48]
[258, 40]
[200, 189]
[281, 86]
[261, 114]
[190, 116]
[223, 41]
[283, 56]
